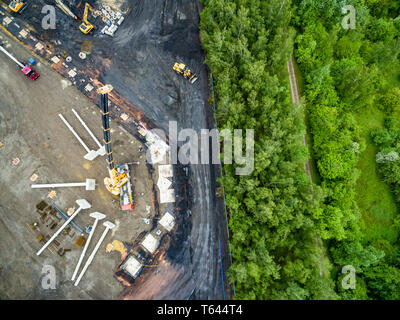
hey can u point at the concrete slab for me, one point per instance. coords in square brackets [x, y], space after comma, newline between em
[150, 243]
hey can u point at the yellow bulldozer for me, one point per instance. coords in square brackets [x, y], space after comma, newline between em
[183, 70]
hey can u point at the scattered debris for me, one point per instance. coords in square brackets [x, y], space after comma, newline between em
[39, 46]
[124, 116]
[52, 194]
[70, 211]
[15, 161]
[116, 245]
[55, 59]
[80, 242]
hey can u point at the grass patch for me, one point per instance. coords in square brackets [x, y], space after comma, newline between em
[374, 197]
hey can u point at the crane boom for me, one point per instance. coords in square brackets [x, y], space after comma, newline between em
[119, 182]
[106, 130]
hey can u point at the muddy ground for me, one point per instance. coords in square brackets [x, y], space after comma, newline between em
[138, 63]
[31, 131]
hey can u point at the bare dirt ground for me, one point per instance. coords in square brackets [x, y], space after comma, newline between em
[31, 130]
[138, 63]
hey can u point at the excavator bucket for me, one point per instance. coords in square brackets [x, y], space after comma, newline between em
[194, 79]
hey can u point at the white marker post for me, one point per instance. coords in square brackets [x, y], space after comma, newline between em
[109, 225]
[97, 216]
[90, 184]
[83, 204]
[102, 149]
[91, 154]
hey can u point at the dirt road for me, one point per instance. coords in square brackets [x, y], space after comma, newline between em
[294, 90]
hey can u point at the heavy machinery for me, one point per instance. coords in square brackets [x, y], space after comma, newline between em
[183, 70]
[119, 181]
[86, 26]
[25, 68]
[17, 6]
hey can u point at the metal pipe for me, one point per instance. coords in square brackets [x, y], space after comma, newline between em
[108, 226]
[11, 57]
[74, 133]
[90, 184]
[58, 185]
[83, 204]
[87, 128]
[98, 216]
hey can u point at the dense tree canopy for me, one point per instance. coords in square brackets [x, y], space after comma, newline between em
[275, 213]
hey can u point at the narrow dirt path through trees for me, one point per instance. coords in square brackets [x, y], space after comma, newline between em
[294, 89]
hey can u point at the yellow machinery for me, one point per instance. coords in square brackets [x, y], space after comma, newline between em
[117, 179]
[16, 6]
[86, 26]
[183, 70]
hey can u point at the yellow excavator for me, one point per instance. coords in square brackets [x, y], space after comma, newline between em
[17, 6]
[183, 70]
[86, 26]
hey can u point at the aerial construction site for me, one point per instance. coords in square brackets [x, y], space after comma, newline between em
[91, 205]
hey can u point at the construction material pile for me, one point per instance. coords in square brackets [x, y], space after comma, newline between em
[111, 18]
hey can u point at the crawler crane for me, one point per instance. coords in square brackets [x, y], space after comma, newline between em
[119, 181]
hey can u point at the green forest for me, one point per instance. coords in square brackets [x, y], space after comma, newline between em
[290, 238]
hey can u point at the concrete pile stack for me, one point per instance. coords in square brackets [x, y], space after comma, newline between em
[112, 19]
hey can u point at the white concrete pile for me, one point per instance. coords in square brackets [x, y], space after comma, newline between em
[111, 18]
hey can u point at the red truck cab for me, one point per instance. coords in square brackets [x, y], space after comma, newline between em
[30, 73]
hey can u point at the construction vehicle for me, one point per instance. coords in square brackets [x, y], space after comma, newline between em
[119, 181]
[183, 70]
[24, 67]
[86, 26]
[17, 6]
